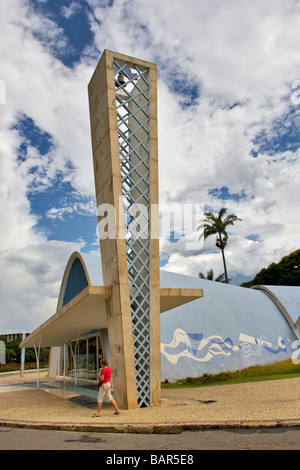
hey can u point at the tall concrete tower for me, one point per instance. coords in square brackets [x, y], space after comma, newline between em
[123, 113]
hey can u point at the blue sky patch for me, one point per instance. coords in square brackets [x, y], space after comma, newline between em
[32, 135]
[72, 19]
[179, 83]
[61, 213]
[282, 137]
[164, 259]
[254, 237]
[190, 92]
[175, 236]
[224, 194]
[64, 215]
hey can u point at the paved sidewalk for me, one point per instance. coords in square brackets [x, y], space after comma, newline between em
[260, 404]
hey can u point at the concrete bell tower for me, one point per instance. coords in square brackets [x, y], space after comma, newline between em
[123, 114]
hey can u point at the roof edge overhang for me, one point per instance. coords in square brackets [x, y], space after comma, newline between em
[174, 297]
[87, 311]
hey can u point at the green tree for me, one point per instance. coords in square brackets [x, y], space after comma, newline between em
[211, 277]
[217, 224]
[13, 352]
[284, 273]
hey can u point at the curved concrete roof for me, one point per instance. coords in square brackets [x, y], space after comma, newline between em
[94, 268]
[85, 312]
[230, 328]
[236, 325]
[85, 309]
[288, 300]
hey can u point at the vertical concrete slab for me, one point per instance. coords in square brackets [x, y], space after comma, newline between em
[108, 184]
[113, 249]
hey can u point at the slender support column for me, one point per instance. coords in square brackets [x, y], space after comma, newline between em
[37, 356]
[22, 357]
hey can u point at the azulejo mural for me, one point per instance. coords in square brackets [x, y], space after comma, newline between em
[199, 348]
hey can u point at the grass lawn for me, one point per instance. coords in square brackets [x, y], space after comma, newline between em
[279, 370]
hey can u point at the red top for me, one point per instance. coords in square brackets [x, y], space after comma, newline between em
[106, 371]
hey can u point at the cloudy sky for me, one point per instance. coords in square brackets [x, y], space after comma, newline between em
[229, 119]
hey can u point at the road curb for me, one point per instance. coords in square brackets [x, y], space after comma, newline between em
[150, 428]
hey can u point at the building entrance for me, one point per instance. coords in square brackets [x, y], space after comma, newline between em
[82, 358]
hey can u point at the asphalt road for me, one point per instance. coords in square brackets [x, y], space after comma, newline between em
[218, 439]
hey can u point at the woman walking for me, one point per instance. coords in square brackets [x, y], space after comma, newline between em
[105, 388]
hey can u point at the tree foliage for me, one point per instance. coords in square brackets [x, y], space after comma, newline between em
[210, 276]
[217, 224]
[284, 273]
[13, 352]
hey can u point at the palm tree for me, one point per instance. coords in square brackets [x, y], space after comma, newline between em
[217, 225]
[211, 277]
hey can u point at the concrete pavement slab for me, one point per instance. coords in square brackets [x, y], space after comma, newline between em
[274, 403]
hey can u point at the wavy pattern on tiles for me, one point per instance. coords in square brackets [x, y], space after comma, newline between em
[202, 349]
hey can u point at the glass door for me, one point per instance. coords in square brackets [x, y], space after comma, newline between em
[81, 359]
[92, 358]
